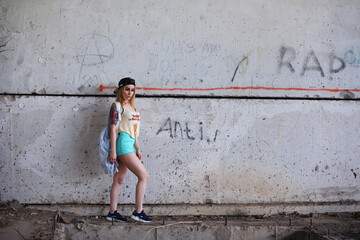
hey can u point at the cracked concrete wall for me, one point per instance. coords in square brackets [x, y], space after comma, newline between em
[220, 148]
[197, 151]
[237, 48]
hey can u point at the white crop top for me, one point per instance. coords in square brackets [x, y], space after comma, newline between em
[130, 122]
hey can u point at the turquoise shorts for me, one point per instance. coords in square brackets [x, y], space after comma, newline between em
[124, 144]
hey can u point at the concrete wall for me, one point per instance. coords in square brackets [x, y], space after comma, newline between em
[196, 64]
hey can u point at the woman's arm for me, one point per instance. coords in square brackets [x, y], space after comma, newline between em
[114, 118]
[112, 157]
[137, 148]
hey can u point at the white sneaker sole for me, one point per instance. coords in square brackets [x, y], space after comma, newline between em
[114, 219]
[139, 219]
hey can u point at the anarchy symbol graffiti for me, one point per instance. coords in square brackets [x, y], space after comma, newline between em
[93, 49]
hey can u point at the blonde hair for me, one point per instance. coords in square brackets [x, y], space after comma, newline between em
[120, 97]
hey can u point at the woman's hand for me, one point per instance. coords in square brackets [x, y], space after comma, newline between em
[112, 157]
[138, 154]
[137, 148]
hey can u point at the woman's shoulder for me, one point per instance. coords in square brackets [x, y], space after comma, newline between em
[114, 108]
[113, 105]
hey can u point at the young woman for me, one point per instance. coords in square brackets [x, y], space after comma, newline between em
[122, 145]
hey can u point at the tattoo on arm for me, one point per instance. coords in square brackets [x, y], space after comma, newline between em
[114, 117]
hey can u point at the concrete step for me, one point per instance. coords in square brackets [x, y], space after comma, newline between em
[207, 230]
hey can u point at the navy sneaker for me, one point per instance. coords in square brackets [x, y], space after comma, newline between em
[116, 217]
[141, 217]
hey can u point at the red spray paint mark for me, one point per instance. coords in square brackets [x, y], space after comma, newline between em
[101, 88]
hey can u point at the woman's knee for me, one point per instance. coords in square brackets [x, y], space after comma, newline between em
[144, 176]
[118, 178]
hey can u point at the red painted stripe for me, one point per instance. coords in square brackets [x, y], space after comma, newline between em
[101, 88]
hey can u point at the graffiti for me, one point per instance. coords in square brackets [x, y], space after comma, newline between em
[333, 57]
[287, 62]
[90, 80]
[355, 174]
[170, 70]
[163, 65]
[176, 130]
[170, 58]
[311, 62]
[3, 42]
[350, 57]
[211, 48]
[237, 67]
[317, 66]
[168, 46]
[92, 51]
[167, 68]
[179, 48]
[164, 50]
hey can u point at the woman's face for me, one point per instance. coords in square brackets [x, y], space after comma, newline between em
[129, 91]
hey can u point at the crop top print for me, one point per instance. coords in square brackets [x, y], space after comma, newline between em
[129, 123]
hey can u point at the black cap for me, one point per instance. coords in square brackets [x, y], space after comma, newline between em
[125, 81]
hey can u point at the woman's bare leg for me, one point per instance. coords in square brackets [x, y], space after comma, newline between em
[116, 186]
[132, 162]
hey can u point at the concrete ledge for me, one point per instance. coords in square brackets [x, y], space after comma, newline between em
[185, 231]
[235, 228]
[262, 209]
